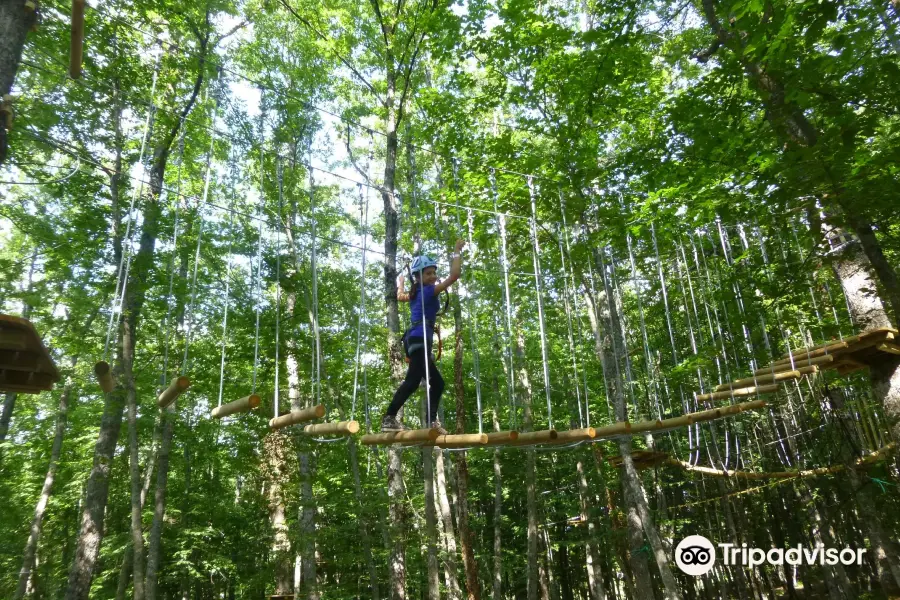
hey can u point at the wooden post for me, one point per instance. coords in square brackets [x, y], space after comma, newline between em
[761, 379]
[76, 52]
[412, 435]
[747, 391]
[338, 428]
[171, 393]
[103, 373]
[297, 416]
[243, 405]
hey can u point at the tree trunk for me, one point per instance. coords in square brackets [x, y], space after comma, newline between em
[433, 577]
[36, 523]
[526, 396]
[275, 468]
[308, 526]
[9, 403]
[364, 521]
[449, 538]
[90, 533]
[473, 587]
[15, 22]
[159, 503]
[497, 575]
[592, 555]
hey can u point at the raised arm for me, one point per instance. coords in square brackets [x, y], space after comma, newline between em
[455, 269]
[402, 294]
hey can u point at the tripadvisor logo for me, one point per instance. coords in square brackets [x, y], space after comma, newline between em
[696, 555]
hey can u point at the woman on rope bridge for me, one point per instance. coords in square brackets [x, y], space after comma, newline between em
[424, 302]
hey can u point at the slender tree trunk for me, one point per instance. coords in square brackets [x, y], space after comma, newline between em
[124, 574]
[433, 577]
[9, 403]
[36, 523]
[473, 587]
[15, 22]
[592, 555]
[159, 502]
[497, 575]
[364, 521]
[308, 525]
[449, 538]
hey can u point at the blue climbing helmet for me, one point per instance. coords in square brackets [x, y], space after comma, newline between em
[420, 263]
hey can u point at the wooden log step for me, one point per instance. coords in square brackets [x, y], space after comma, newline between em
[297, 416]
[810, 362]
[804, 354]
[244, 404]
[103, 373]
[336, 428]
[393, 437]
[759, 380]
[170, 394]
[747, 391]
[626, 428]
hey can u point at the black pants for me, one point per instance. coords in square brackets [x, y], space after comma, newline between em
[415, 373]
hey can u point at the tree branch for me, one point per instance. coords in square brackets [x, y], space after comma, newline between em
[343, 60]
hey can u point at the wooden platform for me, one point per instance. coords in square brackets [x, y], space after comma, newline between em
[25, 364]
[845, 356]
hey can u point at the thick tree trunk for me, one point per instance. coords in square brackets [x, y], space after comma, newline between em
[36, 523]
[15, 22]
[276, 447]
[90, 534]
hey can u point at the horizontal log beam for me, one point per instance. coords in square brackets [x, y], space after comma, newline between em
[747, 391]
[759, 380]
[819, 361]
[336, 428]
[297, 416]
[244, 404]
[170, 394]
[103, 373]
[394, 437]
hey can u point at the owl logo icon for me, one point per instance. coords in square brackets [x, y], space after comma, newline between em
[695, 555]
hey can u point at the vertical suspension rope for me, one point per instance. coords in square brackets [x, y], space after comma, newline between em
[315, 285]
[536, 250]
[124, 265]
[364, 220]
[259, 245]
[563, 232]
[473, 319]
[165, 368]
[280, 175]
[227, 281]
[504, 261]
[190, 319]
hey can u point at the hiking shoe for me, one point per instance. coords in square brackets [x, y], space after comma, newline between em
[389, 423]
[437, 425]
